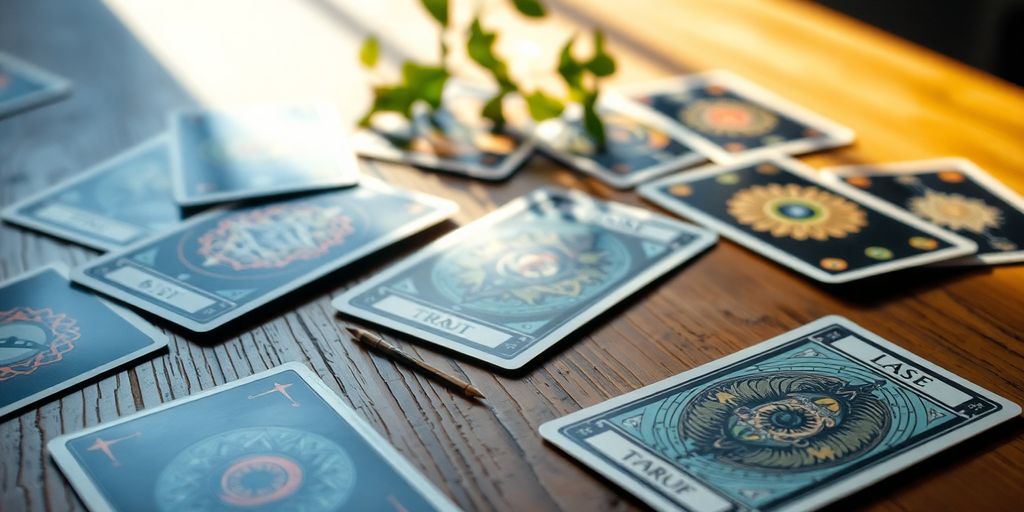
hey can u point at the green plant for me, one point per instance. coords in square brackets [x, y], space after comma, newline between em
[425, 82]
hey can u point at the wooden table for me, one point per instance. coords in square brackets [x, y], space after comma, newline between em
[132, 61]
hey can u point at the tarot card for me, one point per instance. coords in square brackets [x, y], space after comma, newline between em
[833, 233]
[729, 118]
[454, 138]
[792, 423]
[954, 194]
[54, 336]
[638, 144]
[278, 440]
[510, 285]
[24, 86]
[219, 265]
[113, 204]
[255, 152]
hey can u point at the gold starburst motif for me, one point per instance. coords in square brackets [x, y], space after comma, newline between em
[796, 211]
[956, 212]
[723, 116]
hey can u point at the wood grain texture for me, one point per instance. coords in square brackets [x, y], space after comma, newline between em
[130, 66]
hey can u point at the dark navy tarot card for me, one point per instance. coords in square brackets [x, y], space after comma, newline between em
[638, 145]
[508, 286]
[729, 118]
[255, 152]
[954, 194]
[280, 440]
[110, 206]
[828, 231]
[222, 264]
[54, 336]
[790, 424]
[24, 86]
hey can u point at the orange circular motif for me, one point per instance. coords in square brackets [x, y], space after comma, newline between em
[923, 243]
[680, 190]
[833, 264]
[951, 176]
[859, 181]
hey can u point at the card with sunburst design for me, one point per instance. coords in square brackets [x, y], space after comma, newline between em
[830, 232]
[954, 194]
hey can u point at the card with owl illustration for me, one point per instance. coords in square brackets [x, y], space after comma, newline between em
[830, 232]
[280, 440]
[24, 86]
[222, 264]
[793, 423]
[256, 152]
[954, 194]
[515, 282]
[117, 202]
[729, 118]
[54, 336]
[639, 146]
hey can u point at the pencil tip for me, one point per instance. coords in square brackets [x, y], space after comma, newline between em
[352, 330]
[474, 392]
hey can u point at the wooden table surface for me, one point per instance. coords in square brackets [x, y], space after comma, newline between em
[132, 61]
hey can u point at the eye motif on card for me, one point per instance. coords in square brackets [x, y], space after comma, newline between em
[795, 211]
[33, 338]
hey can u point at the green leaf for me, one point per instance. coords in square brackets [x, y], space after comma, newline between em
[570, 69]
[480, 47]
[592, 121]
[530, 8]
[390, 99]
[493, 110]
[543, 106]
[438, 9]
[425, 82]
[601, 64]
[369, 54]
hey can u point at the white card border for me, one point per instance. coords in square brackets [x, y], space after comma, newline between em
[961, 246]
[445, 208]
[95, 502]
[704, 240]
[54, 87]
[157, 338]
[845, 486]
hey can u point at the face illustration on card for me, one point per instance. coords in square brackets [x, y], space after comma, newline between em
[259, 152]
[276, 441]
[637, 147]
[454, 138]
[790, 424]
[779, 209]
[727, 117]
[512, 284]
[112, 205]
[54, 336]
[953, 194]
[220, 265]
[23, 86]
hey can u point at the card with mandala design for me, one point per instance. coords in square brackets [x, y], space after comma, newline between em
[220, 265]
[117, 202]
[54, 336]
[639, 146]
[280, 440]
[793, 423]
[951, 193]
[831, 232]
[453, 139]
[24, 86]
[257, 152]
[729, 118]
[512, 284]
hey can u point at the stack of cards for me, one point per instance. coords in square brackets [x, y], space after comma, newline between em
[24, 86]
[508, 286]
[793, 423]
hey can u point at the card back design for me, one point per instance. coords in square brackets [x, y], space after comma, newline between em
[830, 232]
[510, 285]
[24, 86]
[790, 424]
[279, 440]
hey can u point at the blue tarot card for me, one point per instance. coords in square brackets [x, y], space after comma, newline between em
[110, 206]
[54, 336]
[508, 286]
[219, 265]
[954, 194]
[729, 118]
[454, 138]
[793, 423]
[24, 86]
[279, 440]
[256, 152]
[638, 146]
[830, 232]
